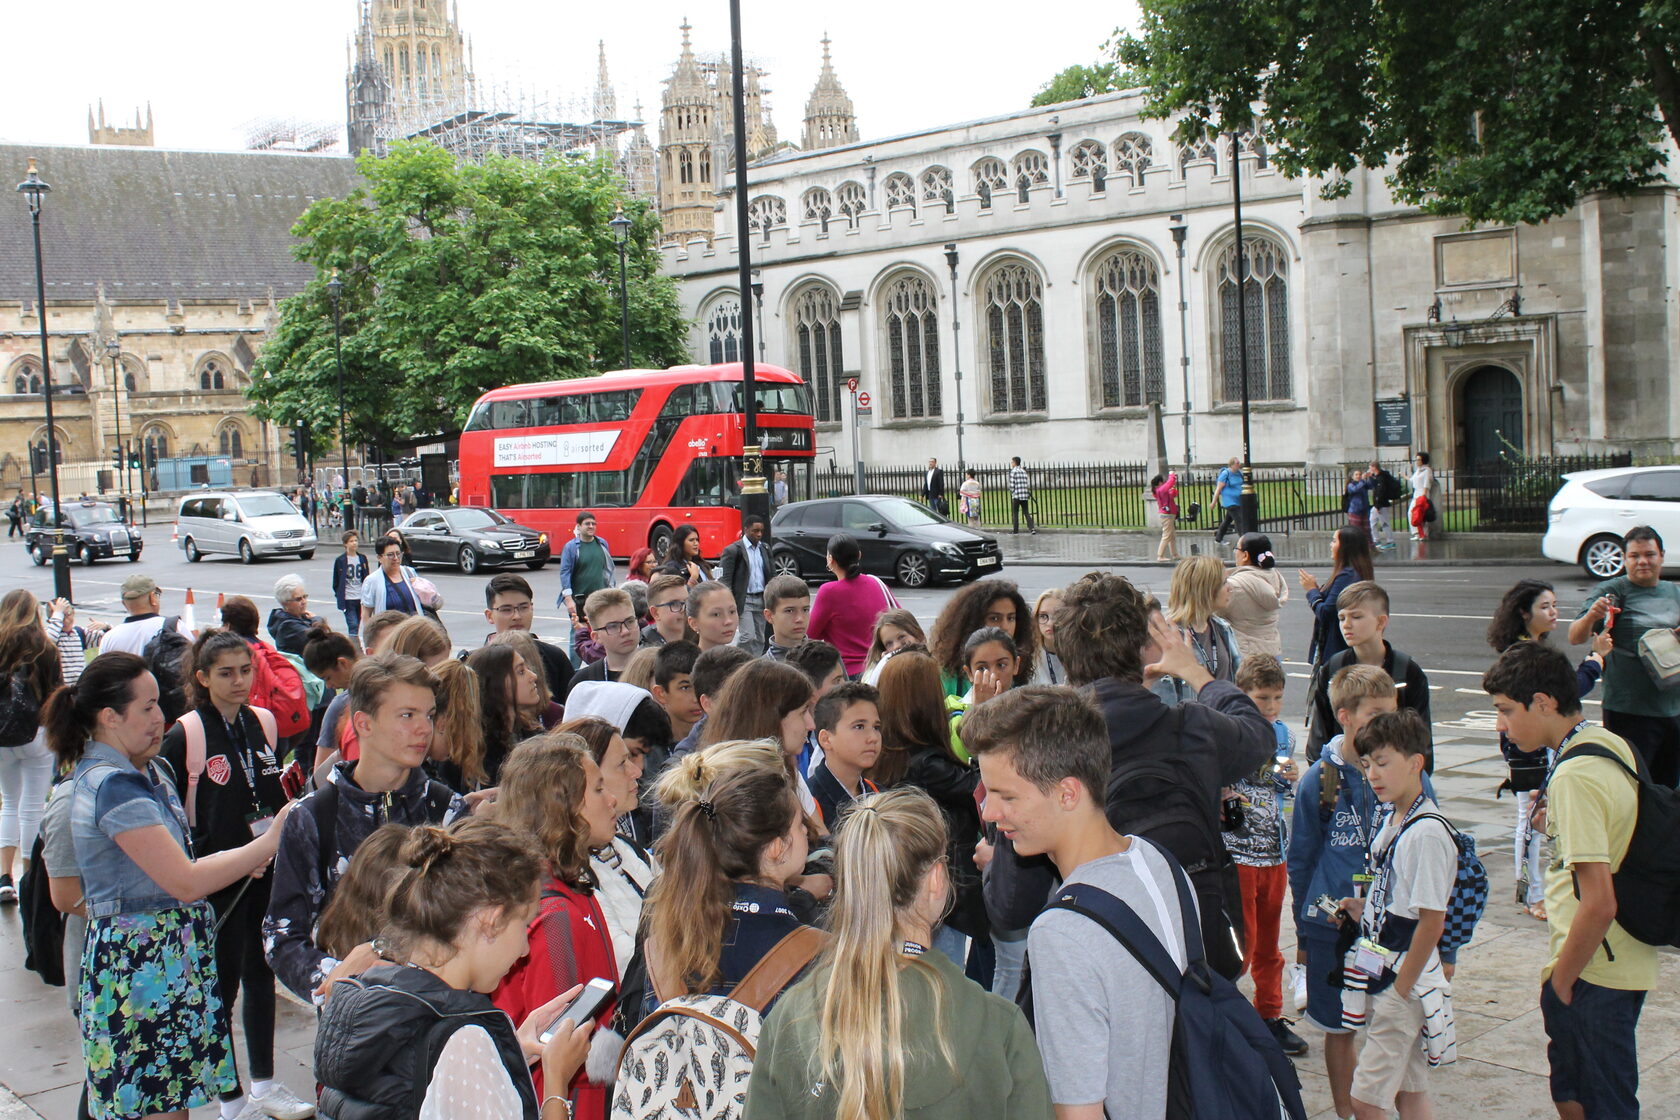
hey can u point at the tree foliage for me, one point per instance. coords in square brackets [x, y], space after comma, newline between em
[1500, 111]
[1078, 82]
[458, 278]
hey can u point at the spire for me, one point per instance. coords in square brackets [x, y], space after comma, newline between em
[830, 119]
[606, 102]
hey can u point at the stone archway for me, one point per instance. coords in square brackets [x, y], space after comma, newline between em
[1491, 419]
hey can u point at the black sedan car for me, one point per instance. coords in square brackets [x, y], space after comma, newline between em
[900, 539]
[92, 531]
[471, 538]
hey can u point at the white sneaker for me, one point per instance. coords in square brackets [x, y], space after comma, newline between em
[279, 1103]
[1298, 987]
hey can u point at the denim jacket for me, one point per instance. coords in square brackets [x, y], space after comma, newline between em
[111, 793]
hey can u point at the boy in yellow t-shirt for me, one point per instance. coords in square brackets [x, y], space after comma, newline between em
[1595, 980]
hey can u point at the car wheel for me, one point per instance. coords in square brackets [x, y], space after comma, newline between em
[784, 564]
[536, 565]
[193, 554]
[133, 557]
[1601, 557]
[912, 569]
[87, 556]
[660, 541]
[247, 554]
[310, 555]
[38, 554]
[468, 560]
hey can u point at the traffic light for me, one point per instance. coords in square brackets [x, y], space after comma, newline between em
[133, 457]
[151, 454]
[117, 459]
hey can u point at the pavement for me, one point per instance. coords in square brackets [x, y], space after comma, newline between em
[1131, 548]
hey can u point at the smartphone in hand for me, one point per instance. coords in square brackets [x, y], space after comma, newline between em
[595, 995]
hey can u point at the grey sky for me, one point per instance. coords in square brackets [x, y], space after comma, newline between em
[210, 67]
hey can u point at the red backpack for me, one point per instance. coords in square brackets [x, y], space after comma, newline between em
[276, 685]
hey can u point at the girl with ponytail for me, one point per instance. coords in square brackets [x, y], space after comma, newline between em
[844, 611]
[881, 1028]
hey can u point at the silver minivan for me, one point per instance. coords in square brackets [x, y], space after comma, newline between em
[251, 523]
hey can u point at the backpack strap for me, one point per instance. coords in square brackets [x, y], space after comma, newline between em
[192, 725]
[1594, 750]
[1124, 925]
[766, 979]
[1402, 667]
[326, 830]
[438, 799]
[271, 730]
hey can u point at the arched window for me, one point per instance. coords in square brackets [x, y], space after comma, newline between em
[765, 214]
[420, 71]
[723, 330]
[1014, 310]
[936, 187]
[129, 380]
[1090, 161]
[910, 322]
[1266, 301]
[231, 442]
[1200, 151]
[1128, 317]
[900, 192]
[816, 346]
[705, 165]
[851, 201]
[390, 70]
[155, 444]
[685, 166]
[1031, 170]
[402, 65]
[989, 178]
[211, 377]
[1253, 144]
[27, 381]
[1132, 156]
[818, 206]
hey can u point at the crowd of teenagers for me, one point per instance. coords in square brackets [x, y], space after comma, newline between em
[821, 862]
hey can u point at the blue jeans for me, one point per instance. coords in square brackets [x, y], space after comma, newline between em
[1591, 1047]
[353, 619]
[1011, 960]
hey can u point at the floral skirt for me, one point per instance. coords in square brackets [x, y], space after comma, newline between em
[150, 1009]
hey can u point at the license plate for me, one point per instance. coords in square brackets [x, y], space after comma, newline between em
[526, 555]
[291, 544]
[987, 561]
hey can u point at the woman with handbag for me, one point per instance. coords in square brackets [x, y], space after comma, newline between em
[1423, 506]
[391, 588]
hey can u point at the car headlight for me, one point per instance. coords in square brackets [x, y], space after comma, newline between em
[1555, 515]
[489, 544]
[542, 539]
[949, 550]
[259, 534]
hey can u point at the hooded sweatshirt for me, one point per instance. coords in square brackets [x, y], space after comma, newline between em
[998, 1071]
[1256, 596]
[1327, 850]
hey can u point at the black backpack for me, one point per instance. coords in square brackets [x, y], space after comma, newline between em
[1388, 488]
[1154, 793]
[20, 709]
[166, 652]
[1648, 882]
[43, 925]
[1225, 1063]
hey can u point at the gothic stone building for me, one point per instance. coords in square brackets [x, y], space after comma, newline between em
[1063, 313]
[180, 258]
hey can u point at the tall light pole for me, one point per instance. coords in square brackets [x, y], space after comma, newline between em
[32, 188]
[1250, 498]
[1179, 232]
[754, 497]
[758, 309]
[113, 350]
[335, 289]
[621, 229]
[956, 352]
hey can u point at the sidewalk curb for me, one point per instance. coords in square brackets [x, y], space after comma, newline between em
[1283, 562]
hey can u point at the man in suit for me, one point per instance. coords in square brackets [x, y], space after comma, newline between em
[933, 488]
[744, 568]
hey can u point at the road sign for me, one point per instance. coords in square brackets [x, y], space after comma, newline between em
[851, 384]
[864, 402]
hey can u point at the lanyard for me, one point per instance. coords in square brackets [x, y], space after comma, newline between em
[1557, 755]
[241, 745]
[1377, 907]
[1210, 655]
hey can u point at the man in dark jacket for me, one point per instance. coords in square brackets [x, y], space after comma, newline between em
[1169, 764]
[289, 623]
[745, 568]
[933, 488]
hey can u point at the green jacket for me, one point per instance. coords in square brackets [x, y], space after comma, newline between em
[999, 1074]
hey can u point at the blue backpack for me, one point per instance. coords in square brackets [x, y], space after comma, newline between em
[1225, 1063]
[1469, 890]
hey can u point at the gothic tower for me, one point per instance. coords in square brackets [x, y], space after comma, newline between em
[829, 118]
[367, 91]
[140, 136]
[687, 189]
[420, 49]
[605, 106]
[641, 162]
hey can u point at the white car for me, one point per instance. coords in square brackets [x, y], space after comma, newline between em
[1593, 510]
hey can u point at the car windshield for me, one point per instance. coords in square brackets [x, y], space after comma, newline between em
[94, 515]
[475, 519]
[265, 505]
[907, 514]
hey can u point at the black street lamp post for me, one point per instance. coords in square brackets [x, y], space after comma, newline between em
[621, 228]
[956, 353]
[758, 309]
[335, 289]
[113, 350]
[1179, 232]
[32, 188]
[755, 498]
[1250, 520]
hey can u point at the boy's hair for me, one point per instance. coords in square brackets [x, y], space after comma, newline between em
[348, 536]
[663, 582]
[504, 583]
[379, 623]
[1529, 669]
[713, 667]
[1260, 670]
[1049, 732]
[1357, 683]
[374, 676]
[1366, 593]
[834, 703]
[673, 660]
[815, 658]
[1101, 629]
[1402, 730]
[605, 600]
[784, 587]
[583, 515]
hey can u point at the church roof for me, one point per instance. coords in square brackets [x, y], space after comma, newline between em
[152, 224]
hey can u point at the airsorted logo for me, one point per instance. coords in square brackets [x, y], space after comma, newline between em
[554, 450]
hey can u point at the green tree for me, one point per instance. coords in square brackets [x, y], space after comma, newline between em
[1504, 112]
[458, 278]
[1078, 82]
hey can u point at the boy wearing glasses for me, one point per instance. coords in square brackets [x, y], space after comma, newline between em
[509, 605]
[668, 607]
[612, 619]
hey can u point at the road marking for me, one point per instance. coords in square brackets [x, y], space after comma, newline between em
[1465, 617]
[1430, 672]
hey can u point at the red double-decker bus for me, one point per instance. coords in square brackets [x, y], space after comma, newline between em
[644, 450]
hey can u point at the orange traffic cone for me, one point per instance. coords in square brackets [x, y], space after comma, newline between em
[187, 614]
[216, 619]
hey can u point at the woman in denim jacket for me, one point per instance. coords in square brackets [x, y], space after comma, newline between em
[150, 1015]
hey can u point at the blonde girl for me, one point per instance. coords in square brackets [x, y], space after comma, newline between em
[1195, 601]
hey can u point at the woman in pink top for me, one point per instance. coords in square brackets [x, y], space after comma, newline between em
[844, 612]
[1166, 501]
